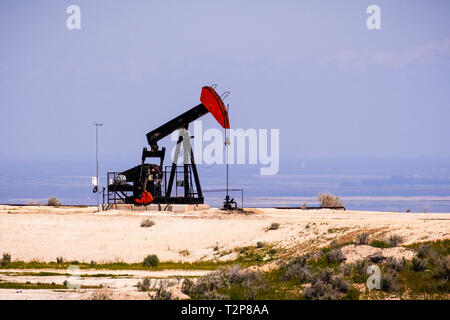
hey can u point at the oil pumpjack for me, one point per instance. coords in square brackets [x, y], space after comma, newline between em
[151, 183]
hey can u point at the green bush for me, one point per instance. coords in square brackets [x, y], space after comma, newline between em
[151, 261]
[6, 259]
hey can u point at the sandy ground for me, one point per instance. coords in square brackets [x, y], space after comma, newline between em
[42, 233]
[119, 284]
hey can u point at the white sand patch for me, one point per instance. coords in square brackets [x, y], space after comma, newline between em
[354, 253]
[44, 233]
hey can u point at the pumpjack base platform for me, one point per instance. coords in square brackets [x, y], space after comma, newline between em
[158, 207]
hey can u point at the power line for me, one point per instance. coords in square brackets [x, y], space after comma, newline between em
[41, 181]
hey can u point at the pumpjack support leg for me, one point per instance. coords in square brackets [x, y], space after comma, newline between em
[174, 167]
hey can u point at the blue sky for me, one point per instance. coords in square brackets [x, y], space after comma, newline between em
[310, 68]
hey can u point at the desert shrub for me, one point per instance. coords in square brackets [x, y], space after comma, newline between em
[299, 272]
[338, 282]
[205, 287]
[53, 202]
[232, 282]
[209, 283]
[352, 294]
[328, 200]
[335, 256]
[326, 286]
[389, 281]
[320, 290]
[93, 263]
[360, 271]
[302, 260]
[161, 293]
[295, 268]
[59, 260]
[419, 264]
[379, 244]
[184, 253]
[245, 285]
[103, 294]
[244, 250]
[244, 276]
[259, 244]
[346, 268]
[144, 285]
[395, 240]
[395, 264]
[274, 226]
[6, 259]
[325, 275]
[150, 261]
[147, 223]
[362, 238]
[443, 269]
[187, 285]
[425, 251]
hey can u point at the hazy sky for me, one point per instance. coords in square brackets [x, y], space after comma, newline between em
[310, 68]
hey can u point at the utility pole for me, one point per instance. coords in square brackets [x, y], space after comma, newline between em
[97, 125]
[227, 143]
[227, 205]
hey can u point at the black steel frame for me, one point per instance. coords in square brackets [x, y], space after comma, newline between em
[191, 194]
